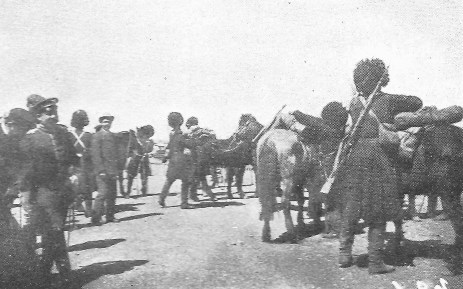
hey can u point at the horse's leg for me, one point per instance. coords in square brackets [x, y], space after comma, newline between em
[266, 235]
[129, 186]
[239, 181]
[230, 173]
[288, 187]
[299, 193]
[398, 238]
[206, 188]
[144, 180]
[451, 204]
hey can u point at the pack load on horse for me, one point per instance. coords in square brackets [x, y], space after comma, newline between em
[138, 148]
[199, 137]
[292, 156]
[235, 152]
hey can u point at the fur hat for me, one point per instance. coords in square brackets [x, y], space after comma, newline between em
[174, 119]
[79, 117]
[335, 114]
[148, 130]
[22, 117]
[367, 73]
[191, 121]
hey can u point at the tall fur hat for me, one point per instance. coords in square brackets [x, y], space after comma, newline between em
[79, 117]
[367, 73]
[174, 119]
[335, 114]
[147, 130]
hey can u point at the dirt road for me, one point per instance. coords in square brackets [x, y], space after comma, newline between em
[217, 245]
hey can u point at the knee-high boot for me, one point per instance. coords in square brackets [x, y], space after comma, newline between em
[346, 241]
[375, 247]
[61, 255]
[184, 196]
[165, 192]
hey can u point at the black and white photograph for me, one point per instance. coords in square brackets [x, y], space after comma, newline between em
[231, 144]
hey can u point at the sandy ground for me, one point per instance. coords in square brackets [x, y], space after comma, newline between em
[218, 245]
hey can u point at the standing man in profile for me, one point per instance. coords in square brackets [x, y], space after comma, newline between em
[104, 157]
[44, 183]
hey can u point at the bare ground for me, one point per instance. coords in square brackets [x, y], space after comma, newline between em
[218, 245]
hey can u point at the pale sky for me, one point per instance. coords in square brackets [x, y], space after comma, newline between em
[215, 60]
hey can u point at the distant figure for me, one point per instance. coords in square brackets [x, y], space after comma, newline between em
[82, 141]
[180, 161]
[105, 158]
[139, 147]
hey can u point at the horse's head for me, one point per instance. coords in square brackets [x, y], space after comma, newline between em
[249, 127]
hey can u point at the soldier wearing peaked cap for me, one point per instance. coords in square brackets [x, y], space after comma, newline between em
[104, 155]
[44, 184]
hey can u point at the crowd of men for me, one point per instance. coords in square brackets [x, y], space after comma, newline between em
[51, 167]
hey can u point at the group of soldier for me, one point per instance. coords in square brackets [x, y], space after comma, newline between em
[52, 168]
[45, 164]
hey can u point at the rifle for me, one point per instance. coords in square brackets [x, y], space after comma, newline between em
[266, 128]
[349, 141]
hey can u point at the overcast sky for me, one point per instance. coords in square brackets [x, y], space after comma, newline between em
[216, 59]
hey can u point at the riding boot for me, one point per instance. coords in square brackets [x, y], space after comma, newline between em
[194, 191]
[88, 208]
[61, 255]
[184, 196]
[46, 262]
[346, 241]
[165, 192]
[30, 239]
[375, 246]
[129, 187]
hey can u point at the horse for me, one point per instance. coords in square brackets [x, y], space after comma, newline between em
[285, 166]
[436, 170]
[233, 153]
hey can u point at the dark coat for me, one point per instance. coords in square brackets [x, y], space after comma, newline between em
[180, 158]
[368, 185]
[47, 157]
[104, 153]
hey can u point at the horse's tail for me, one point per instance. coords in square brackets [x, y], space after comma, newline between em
[267, 176]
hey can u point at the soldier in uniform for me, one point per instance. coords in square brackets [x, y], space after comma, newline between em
[105, 160]
[82, 141]
[368, 185]
[43, 183]
[180, 161]
[140, 145]
[18, 122]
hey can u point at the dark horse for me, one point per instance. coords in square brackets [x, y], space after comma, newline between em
[437, 170]
[233, 153]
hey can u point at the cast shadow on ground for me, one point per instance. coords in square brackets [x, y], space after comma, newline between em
[409, 250]
[92, 272]
[221, 204]
[95, 244]
[127, 207]
[141, 216]
[302, 232]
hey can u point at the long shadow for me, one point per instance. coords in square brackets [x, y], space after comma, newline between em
[209, 204]
[302, 232]
[95, 244]
[127, 207]
[92, 272]
[139, 216]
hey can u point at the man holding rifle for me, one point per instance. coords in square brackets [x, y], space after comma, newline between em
[367, 178]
